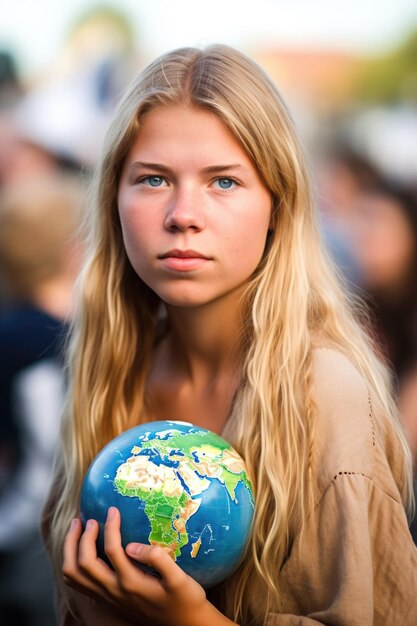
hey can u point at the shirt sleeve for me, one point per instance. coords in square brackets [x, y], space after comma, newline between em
[354, 562]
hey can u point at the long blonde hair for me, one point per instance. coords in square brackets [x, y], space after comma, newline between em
[289, 301]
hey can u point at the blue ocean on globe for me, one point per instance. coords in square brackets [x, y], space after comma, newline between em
[179, 486]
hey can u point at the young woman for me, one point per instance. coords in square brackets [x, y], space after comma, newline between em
[208, 298]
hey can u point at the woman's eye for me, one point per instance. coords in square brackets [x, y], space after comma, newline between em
[153, 181]
[225, 183]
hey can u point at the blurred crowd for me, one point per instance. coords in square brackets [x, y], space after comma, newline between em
[370, 221]
[369, 218]
[50, 137]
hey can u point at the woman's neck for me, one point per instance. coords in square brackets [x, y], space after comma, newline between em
[196, 367]
[204, 342]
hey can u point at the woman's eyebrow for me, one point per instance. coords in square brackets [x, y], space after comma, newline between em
[210, 169]
[151, 166]
[216, 169]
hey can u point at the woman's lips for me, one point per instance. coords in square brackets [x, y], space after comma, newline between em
[183, 260]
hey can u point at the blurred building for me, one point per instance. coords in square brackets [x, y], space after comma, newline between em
[321, 79]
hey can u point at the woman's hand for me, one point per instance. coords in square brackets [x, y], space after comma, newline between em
[175, 599]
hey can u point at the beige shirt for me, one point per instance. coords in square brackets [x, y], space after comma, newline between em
[355, 563]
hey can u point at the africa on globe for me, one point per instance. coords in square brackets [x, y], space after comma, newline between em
[178, 486]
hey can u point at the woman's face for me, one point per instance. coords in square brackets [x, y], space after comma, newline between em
[193, 208]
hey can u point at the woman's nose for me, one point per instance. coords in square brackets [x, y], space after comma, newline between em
[185, 211]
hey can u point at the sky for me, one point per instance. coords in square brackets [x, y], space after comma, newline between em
[35, 31]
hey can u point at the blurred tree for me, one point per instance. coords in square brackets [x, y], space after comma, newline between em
[392, 77]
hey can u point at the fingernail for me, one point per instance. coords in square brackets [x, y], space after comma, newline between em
[73, 523]
[90, 523]
[111, 512]
[134, 549]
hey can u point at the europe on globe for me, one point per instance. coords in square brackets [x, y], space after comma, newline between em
[179, 486]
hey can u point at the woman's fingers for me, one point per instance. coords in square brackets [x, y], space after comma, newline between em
[70, 561]
[87, 551]
[70, 566]
[127, 587]
[160, 560]
[129, 576]
[82, 569]
[113, 540]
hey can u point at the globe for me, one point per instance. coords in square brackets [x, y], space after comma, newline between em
[178, 486]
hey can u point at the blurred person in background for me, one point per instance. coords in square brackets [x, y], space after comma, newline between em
[386, 249]
[10, 92]
[39, 259]
[10, 85]
[58, 121]
[342, 177]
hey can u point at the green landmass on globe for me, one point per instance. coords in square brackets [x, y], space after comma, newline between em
[170, 486]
